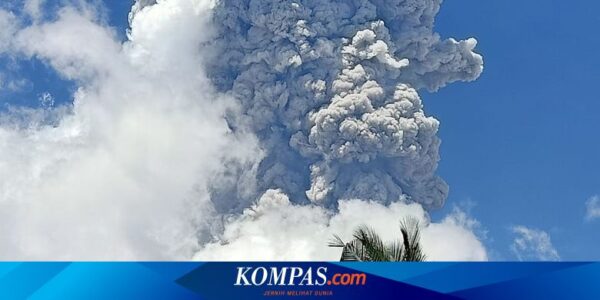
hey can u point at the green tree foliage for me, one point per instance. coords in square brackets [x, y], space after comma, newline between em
[368, 246]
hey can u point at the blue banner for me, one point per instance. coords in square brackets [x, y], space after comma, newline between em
[302, 280]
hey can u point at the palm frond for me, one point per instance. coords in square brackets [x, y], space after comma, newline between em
[411, 236]
[336, 242]
[374, 247]
[368, 246]
[352, 251]
[395, 251]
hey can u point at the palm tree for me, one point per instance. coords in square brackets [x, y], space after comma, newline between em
[368, 246]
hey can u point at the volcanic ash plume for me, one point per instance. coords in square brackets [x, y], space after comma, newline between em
[241, 129]
[329, 88]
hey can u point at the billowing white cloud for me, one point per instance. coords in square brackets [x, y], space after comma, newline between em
[533, 244]
[8, 27]
[124, 173]
[592, 207]
[34, 8]
[311, 109]
[275, 228]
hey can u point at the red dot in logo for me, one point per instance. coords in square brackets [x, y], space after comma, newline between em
[329, 282]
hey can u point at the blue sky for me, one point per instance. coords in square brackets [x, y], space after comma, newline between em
[520, 144]
[38, 77]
